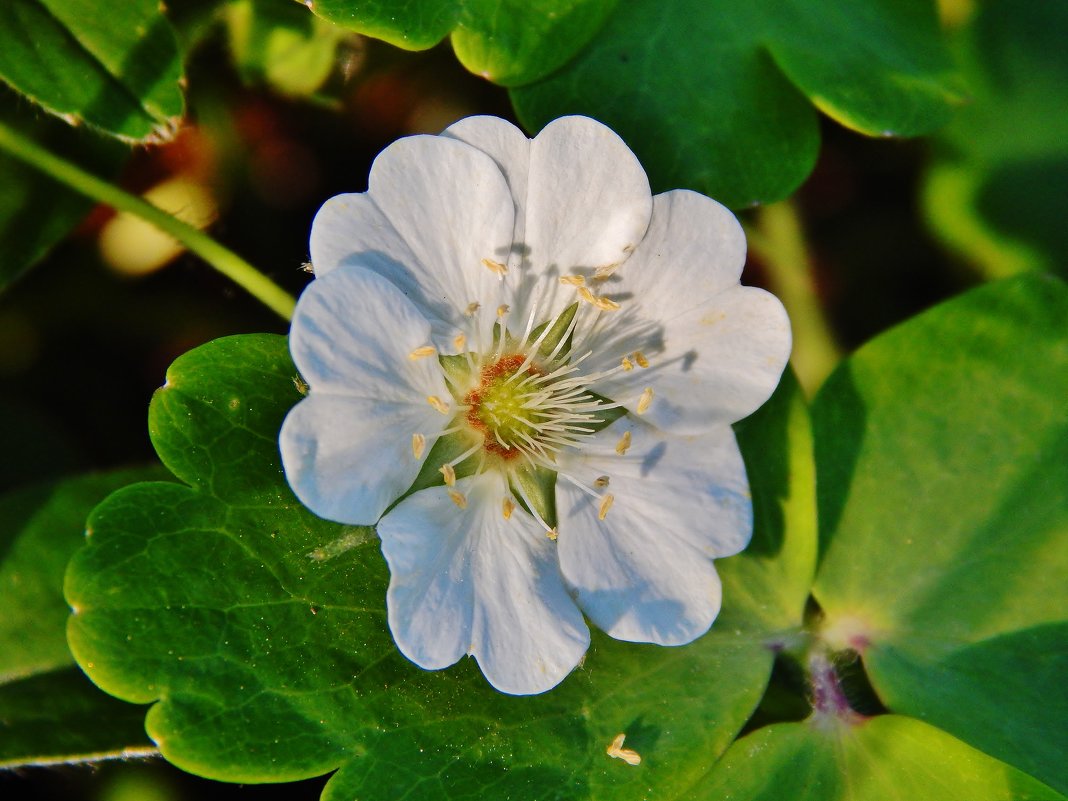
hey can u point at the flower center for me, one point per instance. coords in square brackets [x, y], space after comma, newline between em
[503, 408]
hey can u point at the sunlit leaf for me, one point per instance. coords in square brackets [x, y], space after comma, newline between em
[942, 451]
[114, 66]
[260, 630]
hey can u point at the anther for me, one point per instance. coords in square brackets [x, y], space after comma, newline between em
[472, 307]
[617, 751]
[418, 445]
[597, 301]
[573, 280]
[422, 353]
[503, 310]
[606, 504]
[605, 270]
[601, 482]
[437, 403]
[449, 473]
[459, 341]
[507, 507]
[645, 399]
[624, 443]
[458, 498]
[495, 267]
[552, 534]
[626, 364]
[639, 357]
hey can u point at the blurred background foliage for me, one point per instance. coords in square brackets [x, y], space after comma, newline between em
[284, 109]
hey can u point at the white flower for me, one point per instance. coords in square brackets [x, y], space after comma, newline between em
[585, 459]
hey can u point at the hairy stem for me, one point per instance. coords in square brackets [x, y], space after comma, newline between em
[222, 259]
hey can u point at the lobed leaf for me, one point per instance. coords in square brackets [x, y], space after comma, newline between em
[942, 451]
[721, 97]
[260, 632]
[49, 711]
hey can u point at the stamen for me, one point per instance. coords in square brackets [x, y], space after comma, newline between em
[597, 301]
[507, 507]
[605, 271]
[645, 399]
[639, 357]
[601, 482]
[503, 310]
[437, 403]
[495, 267]
[418, 445]
[626, 364]
[449, 473]
[458, 498]
[624, 443]
[573, 280]
[617, 751]
[422, 353]
[552, 534]
[472, 307]
[606, 504]
[459, 341]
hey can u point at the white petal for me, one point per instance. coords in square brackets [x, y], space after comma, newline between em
[353, 333]
[588, 205]
[347, 447]
[716, 349]
[434, 209]
[347, 459]
[469, 581]
[644, 573]
[509, 147]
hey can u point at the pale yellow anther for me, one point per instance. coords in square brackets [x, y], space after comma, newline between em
[437, 403]
[644, 401]
[606, 504]
[597, 301]
[459, 341]
[552, 534]
[422, 353]
[449, 473]
[495, 267]
[472, 307]
[503, 310]
[573, 280]
[626, 364]
[507, 507]
[418, 445]
[458, 498]
[639, 357]
[605, 270]
[601, 482]
[624, 443]
[617, 751]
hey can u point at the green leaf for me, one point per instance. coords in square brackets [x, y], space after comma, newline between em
[511, 42]
[61, 717]
[721, 97]
[886, 757]
[114, 67]
[35, 211]
[942, 450]
[260, 630]
[48, 710]
[995, 193]
[282, 45]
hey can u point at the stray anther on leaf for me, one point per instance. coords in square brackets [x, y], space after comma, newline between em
[617, 751]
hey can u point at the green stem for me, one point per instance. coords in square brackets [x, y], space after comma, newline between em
[778, 240]
[222, 259]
